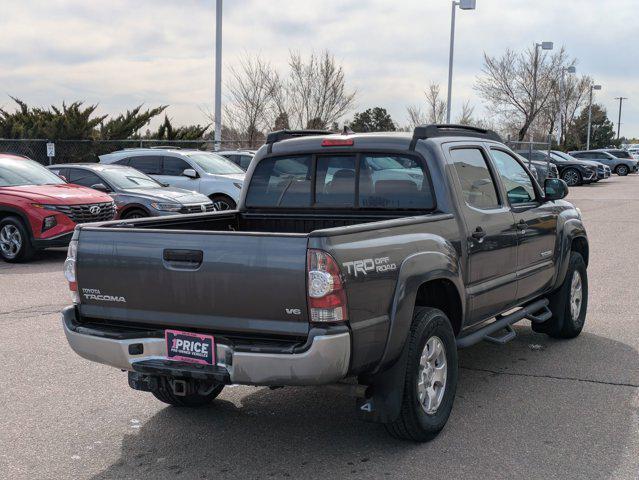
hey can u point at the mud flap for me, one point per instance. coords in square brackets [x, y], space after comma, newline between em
[387, 392]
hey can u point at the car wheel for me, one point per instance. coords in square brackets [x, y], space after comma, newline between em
[222, 203]
[165, 394]
[431, 378]
[135, 213]
[622, 170]
[572, 177]
[569, 304]
[15, 244]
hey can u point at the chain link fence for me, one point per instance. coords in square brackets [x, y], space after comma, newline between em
[526, 149]
[82, 151]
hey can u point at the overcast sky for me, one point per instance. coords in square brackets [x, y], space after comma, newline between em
[122, 53]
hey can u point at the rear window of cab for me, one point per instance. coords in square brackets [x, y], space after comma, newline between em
[375, 181]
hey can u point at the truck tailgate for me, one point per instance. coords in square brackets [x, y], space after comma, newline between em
[220, 282]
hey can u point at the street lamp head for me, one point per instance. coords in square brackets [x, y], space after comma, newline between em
[547, 45]
[467, 4]
[596, 87]
[571, 69]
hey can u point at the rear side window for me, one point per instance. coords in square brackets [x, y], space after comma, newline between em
[366, 181]
[245, 161]
[150, 165]
[478, 186]
[281, 182]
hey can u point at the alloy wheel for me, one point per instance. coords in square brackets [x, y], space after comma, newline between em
[571, 178]
[10, 241]
[576, 295]
[431, 375]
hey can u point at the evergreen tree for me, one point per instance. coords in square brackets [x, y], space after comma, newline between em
[373, 120]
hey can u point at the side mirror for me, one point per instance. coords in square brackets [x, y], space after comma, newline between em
[101, 187]
[189, 172]
[555, 189]
[63, 178]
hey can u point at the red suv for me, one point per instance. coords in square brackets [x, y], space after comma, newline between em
[39, 210]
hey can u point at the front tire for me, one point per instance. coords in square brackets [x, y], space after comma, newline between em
[431, 377]
[572, 177]
[569, 304]
[15, 243]
[622, 170]
[134, 213]
[223, 203]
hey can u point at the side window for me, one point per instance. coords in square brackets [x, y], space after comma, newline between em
[393, 182]
[146, 164]
[245, 161]
[174, 166]
[335, 181]
[83, 177]
[281, 182]
[478, 187]
[124, 161]
[519, 186]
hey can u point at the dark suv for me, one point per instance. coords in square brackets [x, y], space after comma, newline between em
[573, 172]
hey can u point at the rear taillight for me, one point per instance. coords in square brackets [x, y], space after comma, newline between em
[69, 270]
[326, 295]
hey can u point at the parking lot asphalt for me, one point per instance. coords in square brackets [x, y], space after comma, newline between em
[533, 408]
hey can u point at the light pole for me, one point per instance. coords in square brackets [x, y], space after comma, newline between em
[562, 100]
[218, 74]
[621, 99]
[543, 46]
[592, 87]
[464, 5]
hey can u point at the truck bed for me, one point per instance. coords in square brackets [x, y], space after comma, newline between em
[254, 222]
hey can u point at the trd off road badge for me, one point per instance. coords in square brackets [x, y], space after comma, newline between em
[369, 265]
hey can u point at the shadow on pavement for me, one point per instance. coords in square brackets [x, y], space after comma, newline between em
[503, 425]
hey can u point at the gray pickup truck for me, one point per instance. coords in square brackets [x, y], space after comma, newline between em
[359, 261]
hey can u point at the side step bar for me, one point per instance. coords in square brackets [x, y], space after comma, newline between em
[536, 312]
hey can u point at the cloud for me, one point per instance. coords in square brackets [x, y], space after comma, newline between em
[122, 53]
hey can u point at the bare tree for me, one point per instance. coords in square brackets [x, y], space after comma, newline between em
[519, 85]
[415, 116]
[436, 106]
[250, 105]
[466, 115]
[315, 93]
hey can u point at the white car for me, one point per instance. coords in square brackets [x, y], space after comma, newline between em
[204, 172]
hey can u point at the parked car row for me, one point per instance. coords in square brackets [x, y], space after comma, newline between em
[584, 167]
[40, 206]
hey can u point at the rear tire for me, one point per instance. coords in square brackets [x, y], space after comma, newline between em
[569, 303]
[165, 394]
[15, 241]
[431, 378]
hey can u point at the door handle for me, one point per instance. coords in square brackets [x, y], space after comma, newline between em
[521, 226]
[183, 259]
[479, 234]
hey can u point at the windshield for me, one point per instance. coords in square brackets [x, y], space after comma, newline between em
[212, 163]
[125, 178]
[14, 173]
[560, 156]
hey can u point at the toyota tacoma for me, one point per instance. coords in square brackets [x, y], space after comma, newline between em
[359, 261]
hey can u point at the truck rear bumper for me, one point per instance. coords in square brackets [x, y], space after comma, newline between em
[326, 360]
